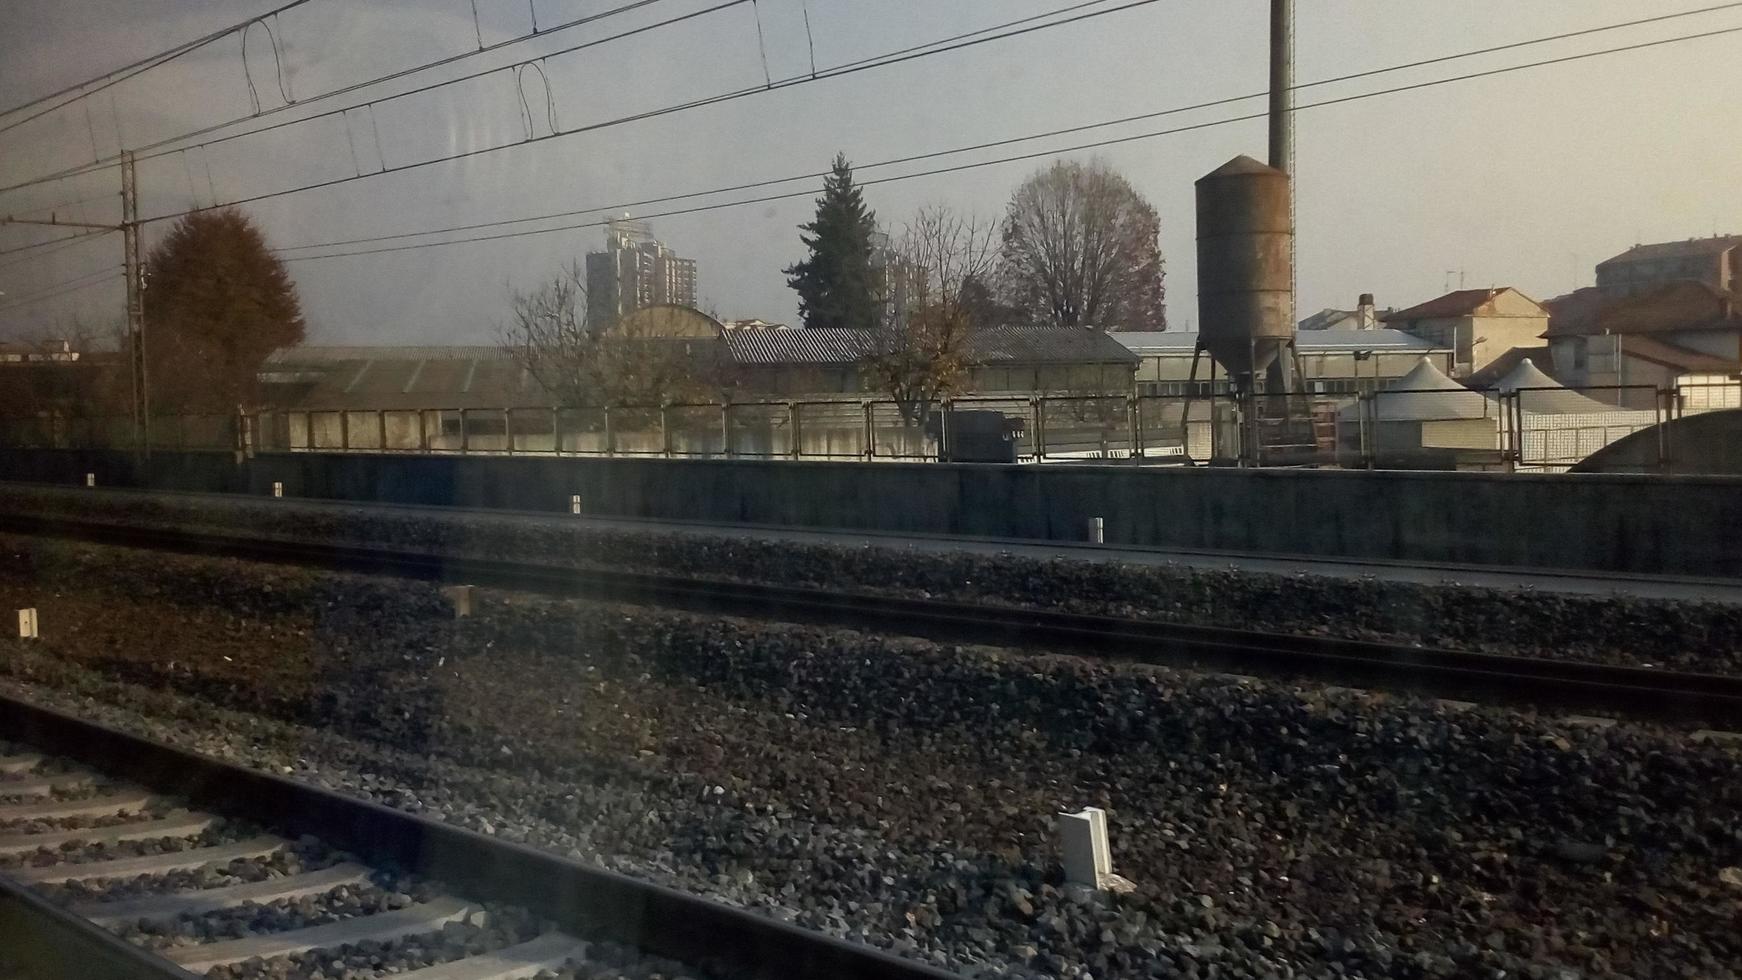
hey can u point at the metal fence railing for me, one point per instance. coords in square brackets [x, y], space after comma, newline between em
[1535, 430]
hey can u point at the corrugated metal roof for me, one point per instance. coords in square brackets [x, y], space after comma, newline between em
[323, 355]
[1000, 345]
[1046, 345]
[831, 345]
[1151, 343]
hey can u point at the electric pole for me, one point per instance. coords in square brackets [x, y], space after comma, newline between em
[134, 268]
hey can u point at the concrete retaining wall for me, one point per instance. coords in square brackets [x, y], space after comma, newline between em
[1615, 522]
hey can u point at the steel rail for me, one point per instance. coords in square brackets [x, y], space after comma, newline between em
[577, 896]
[1638, 692]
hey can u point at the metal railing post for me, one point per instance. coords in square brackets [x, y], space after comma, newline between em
[465, 434]
[868, 431]
[556, 431]
[610, 434]
[381, 430]
[1133, 423]
[664, 431]
[793, 449]
[423, 430]
[345, 432]
[508, 428]
[1038, 405]
[726, 430]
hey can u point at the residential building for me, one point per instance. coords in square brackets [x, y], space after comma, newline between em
[1362, 317]
[635, 271]
[1478, 325]
[1677, 333]
[1715, 261]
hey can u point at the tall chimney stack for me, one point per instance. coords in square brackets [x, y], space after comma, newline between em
[1365, 318]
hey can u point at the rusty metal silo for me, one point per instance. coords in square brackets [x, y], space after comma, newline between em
[1245, 266]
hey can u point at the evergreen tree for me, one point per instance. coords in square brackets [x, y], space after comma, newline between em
[219, 303]
[836, 284]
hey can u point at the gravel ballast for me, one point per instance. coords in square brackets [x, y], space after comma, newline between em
[1617, 629]
[901, 792]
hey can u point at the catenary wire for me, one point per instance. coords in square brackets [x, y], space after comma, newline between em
[994, 144]
[654, 113]
[806, 192]
[151, 150]
[91, 86]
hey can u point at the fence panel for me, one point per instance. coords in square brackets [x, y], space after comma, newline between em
[895, 437]
[486, 430]
[694, 430]
[1085, 427]
[637, 430]
[1558, 427]
[1179, 429]
[830, 429]
[759, 430]
[583, 430]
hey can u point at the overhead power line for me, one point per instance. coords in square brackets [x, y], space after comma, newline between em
[773, 182]
[50, 248]
[53, 241]
[70, 286]
[155, 149]
[806, 192]
[95, 84]
[667, 110]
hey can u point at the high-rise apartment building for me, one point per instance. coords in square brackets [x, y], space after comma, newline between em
[634, 271]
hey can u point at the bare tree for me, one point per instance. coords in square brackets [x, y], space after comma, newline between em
[918, 354]
[642, 359]
[1081, 249]
[548, 337]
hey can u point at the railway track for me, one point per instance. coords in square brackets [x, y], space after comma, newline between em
[1637, 692]
[106, 808]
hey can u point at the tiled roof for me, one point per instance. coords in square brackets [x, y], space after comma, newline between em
[1675, 356]
[1676, 250]
[1460, 302]
[1674, 306]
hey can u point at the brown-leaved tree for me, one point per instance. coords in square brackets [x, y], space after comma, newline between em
[217, 303]
[919, 354]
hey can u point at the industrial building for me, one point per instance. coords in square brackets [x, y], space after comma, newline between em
[1332, 362]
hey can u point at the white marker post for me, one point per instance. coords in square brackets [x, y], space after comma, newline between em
[277, 489]
[459, 600]
[1097, 530]
[90, 479]
[575, 504]
[27, 624]
[1087, 858]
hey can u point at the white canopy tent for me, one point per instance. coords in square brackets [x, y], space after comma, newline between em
[1542, 395]
[1425, 394]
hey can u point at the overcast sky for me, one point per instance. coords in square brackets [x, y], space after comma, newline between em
[1525, 179]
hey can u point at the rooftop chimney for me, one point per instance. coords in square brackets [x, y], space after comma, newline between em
[1365, 319]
